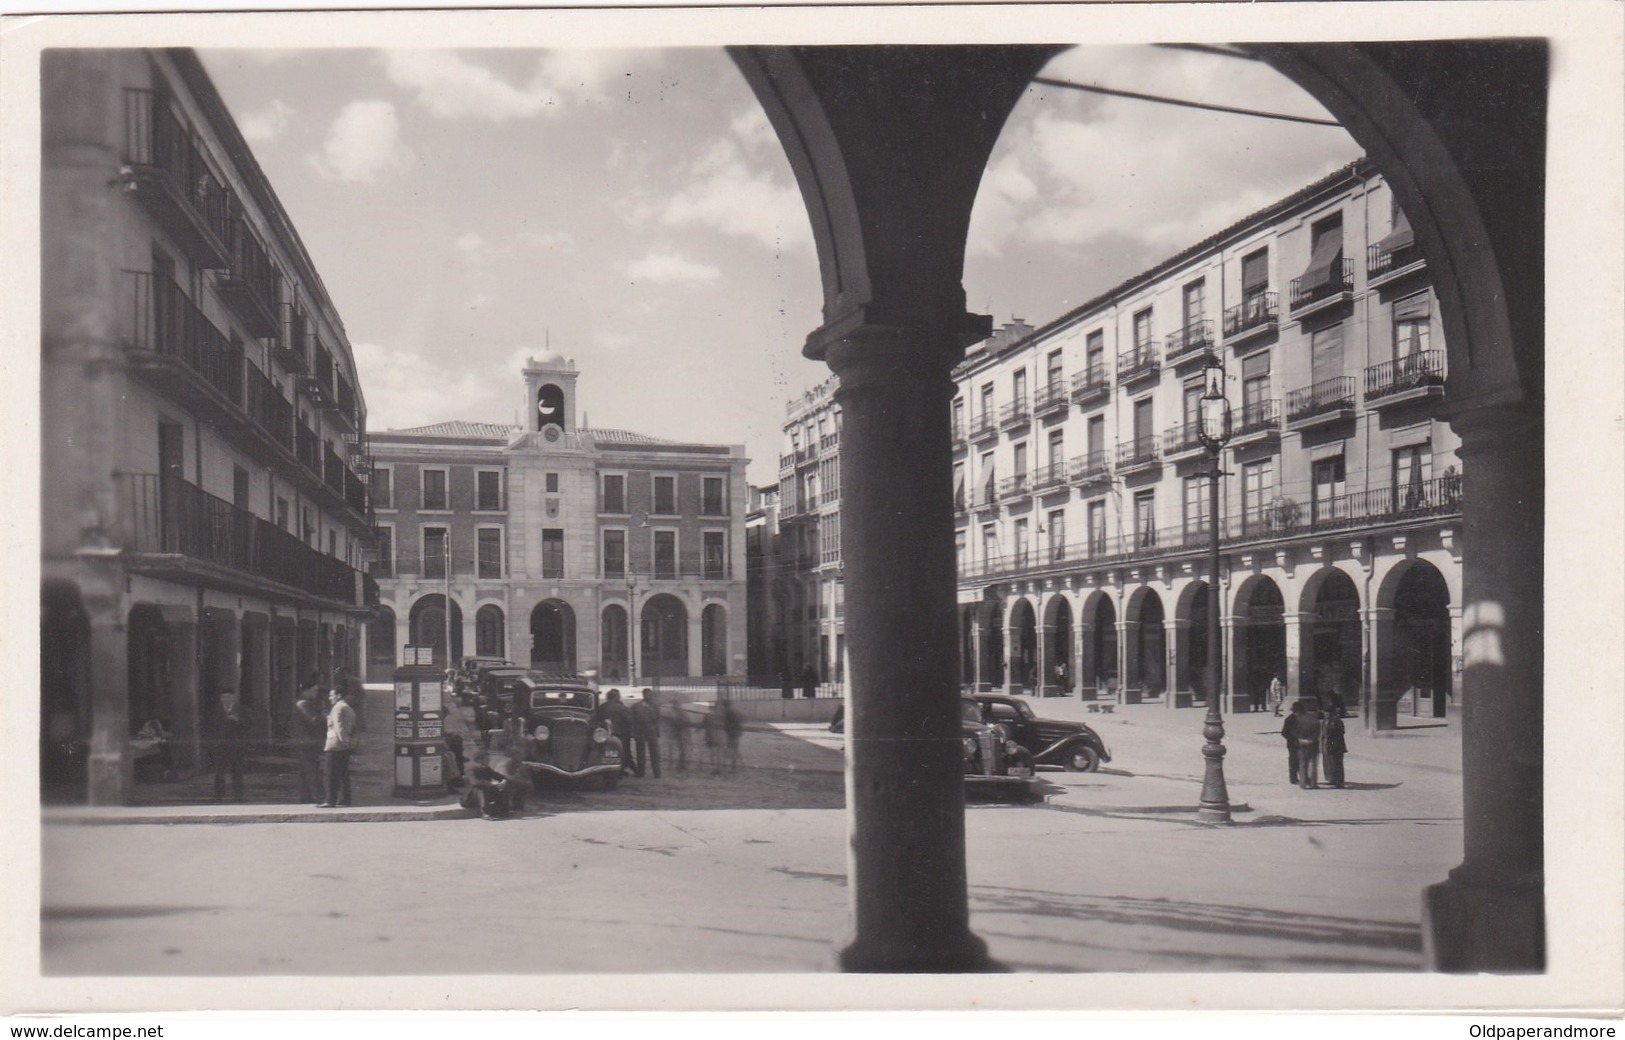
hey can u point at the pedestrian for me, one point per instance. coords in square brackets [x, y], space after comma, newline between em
[1333, 745]
[226, 731]
[309, 734]
[614, 715]
[1277, 694]
[674, 728]
[1288, 735]
[713, 738]
[787, 686]
[491, 788]
[809, 682]
[733, 727]
[1303, 728]
[348, 682]
[646, 734]
[341, 742]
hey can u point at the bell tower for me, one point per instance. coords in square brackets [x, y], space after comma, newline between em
[550, 394]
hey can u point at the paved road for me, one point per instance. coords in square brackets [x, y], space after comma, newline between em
[746, 873]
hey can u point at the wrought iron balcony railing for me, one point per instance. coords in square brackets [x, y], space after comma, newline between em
[1090, 467]
[1051, 396]
[1326, 396]
[250, 285]
[159, 318]
[1015, 413]
[169, 175]
[1052, 475]
[1190, 341]
[1139, 363]
[1416, 371]
[1257, 417]
[1138, 453]
[1181, 439]
[1339, 280]
[1015, 487]
[1254, 314]
[1090, 384]
[1380, 262]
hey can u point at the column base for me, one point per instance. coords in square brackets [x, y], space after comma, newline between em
[875, 956]
[108, 780]
[1477, 926]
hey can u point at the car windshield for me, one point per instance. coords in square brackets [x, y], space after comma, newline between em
[970, 711]
[561, 698]
[1023, 709]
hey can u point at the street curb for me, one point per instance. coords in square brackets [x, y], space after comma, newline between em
[209, 814]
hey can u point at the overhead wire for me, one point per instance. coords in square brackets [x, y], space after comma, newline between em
[1183, 103]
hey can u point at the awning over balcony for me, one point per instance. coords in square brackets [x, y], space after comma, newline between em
[1400, 237]
[1327, 261]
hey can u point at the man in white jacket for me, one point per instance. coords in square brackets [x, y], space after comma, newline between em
[341, 740]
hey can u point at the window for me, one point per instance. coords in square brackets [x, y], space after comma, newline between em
[989, 477]
[614, 493]
[614, 554]
[959, 416]
[282, 513]
[1057, 451]
[711, 497]
[1145, 519]
[1055, 533]
[959, 551]
[1255, 278]
[1326, 490]
[1020, 463]
[1052, 369]
[239, 487]
[1021, 542]
[665, 553]
[987, 403]
[383, 487]
[332, 542]
[812, 489]
[1411, 322]
[1095, 355]
[830, 538]
[1142, 331]
[715, 554]
[434, 552]
[959, 487]
[1255, 386]
[384, 565]
[1095, 526]
[1198, 497]
[1142, 426]
[1096, 436]
[1325, 254]
[434, 489]
[552, 552]
[1413, 467]
[1257, 488]
[990, 543]
[488, 490]
[1192, 407]
[1326, 354]
[552, 483]
[490, 552]
[307, 526]
[1195, 301]
[666, 495]
[1018, 386]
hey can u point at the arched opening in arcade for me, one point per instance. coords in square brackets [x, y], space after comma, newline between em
[663, 649]
[426, 626]
[1332, 651]
[553, 636]
[381, 646]
[1024, 646]
[1195, 608]
[1146, 677]
[1103, 672]
[714, 641]
[1059, 668]
[1421, 664]
[990, 626]
[1260, 641]
[612, 642]
[490, 631]
[64, 689]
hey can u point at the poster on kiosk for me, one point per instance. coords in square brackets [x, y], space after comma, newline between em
[419, 723]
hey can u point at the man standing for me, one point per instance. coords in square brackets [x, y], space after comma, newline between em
[227, 734]
[614, 714]
[309, 734]
[1277, 694]
[340, 742]
[1303, 726]
[646, 734]
[674, 727]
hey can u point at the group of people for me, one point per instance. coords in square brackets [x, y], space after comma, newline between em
[650, 723]
[1315, 736]
[326, 729]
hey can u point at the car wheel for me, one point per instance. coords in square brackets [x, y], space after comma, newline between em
[1081, 758]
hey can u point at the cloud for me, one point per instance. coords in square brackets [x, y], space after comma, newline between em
[732, 188]
[451, 86]
[613, 342]
[405, 389]
[363, 142]
[470, 245]
[664, 266]
[545, 240]
[266, 124]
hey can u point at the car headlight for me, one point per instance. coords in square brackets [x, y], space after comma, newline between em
[540, 733]
[970, 747]
[1011, 747]
[600, 736]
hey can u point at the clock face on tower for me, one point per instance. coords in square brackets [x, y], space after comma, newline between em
[549, 406]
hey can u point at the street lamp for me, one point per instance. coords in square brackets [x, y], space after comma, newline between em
[1213, 430]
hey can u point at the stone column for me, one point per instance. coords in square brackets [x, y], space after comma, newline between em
[976, 650]
[1376, 649]
[110, 772]
[904, 773]
[186, 699]
[1046, 667]
[1489, 915]
[1128, 661]
[1455, 656]
[1178, 633]
[1295, 680]
[403, 636]
[1087, 666]
[696, 657]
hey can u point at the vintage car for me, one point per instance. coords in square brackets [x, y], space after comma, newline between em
[561, 736]
[494, 698]
[466, 680]
[1050, 742]
[992, 759]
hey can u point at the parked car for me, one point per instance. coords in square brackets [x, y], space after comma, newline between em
[561, 736]
[466, 682]
[493, 700]
[1050, 742]
[991, 757]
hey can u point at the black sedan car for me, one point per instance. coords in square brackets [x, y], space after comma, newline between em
[1051, 742]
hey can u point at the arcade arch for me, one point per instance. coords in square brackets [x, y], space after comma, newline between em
[714, 640]
[664, 637]
[427, 627]
[381, 645]
[1024, 647]
[553, 636]
[1058, 644]
[490, 631]
[1260, 641]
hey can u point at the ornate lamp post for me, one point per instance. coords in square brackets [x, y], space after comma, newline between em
[1213, 431]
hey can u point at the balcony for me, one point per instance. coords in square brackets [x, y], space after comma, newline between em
[1416, 500]
[983, 426]
[1385, 264]
[1409, 378]
[787, 462]
[1013, 489]
[1259, 421]
[1182, 442]
[986, 500]
[346, 410]
[178, 531]
[291, 350]
[249, 285]
[1090, 468]
[829, 442]
[1052, 397]
[166, 171]
[1326, 402]
[171, 344]
[1050, 477]
[1190, 344]
[307, 449]
[1091, 385]
[1315, 296]
[1016, 414]
[1252, 319]
[1137, 364]
[1139, 454]
[269, 410]
[318, 386]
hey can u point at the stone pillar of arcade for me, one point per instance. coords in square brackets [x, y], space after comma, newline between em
[889, 190]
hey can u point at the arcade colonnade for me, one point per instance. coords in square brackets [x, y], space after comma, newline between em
[889, 190]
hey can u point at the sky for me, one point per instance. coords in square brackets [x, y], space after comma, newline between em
[631, 210]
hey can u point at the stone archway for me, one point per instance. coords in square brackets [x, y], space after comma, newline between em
[1145, 668]
[490, 631]
[380, 665]
[1060, 670]
[613, 662]
[663, 637]
[1102, 646]
[1260, 642]
[427, 627]
[1332, 645]
[1418, 658]
[714, 640]
[990, 621]
[553, 636]
[1192, 611]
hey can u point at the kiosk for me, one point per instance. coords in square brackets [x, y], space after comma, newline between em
[420, 719]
